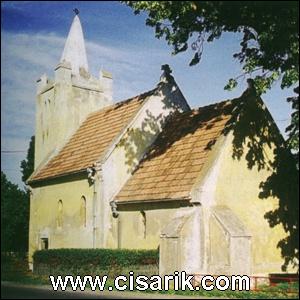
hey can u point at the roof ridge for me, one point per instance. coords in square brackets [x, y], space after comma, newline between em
[215, 103]
[173, 162]
[122, 102]
[196, 110]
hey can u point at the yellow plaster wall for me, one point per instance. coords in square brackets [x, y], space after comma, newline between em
[131, 229]
[44, 214]
[238, 188]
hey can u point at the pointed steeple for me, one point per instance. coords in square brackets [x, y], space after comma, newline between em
[74, 52]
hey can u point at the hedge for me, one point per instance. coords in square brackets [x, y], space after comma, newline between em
[100, 258]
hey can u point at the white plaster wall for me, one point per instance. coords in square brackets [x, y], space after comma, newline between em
[116, 170]
[62, 107]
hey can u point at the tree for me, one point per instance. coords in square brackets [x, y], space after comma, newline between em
[269, 53]
[269, 47]
[27, 166]
[15, 208]
[14, 217]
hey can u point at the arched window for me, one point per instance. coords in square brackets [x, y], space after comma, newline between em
[60, 214]
[83, 211]
[143, 222]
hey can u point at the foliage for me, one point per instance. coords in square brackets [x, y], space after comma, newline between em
[269, 46]
[14, 267]
[281, 291]
[270, 31]
[15, 208]
[14, 216]
[293, 128]
[287, 212]
[66, 259]
[269, 53]
[253, 131]
[27, 166]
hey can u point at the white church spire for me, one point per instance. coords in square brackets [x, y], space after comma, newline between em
[74, 51]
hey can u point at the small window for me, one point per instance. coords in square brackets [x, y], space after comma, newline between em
[143, 222]
[83, 211]
[60, 214]
[44, 243]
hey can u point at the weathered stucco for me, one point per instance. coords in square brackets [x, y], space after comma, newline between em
[114, 169]
[229, 183]
[44, 214]
[124, 155]
[63, 103]
[207, 239]
[62, 106]
[221, 230]
[237, 187]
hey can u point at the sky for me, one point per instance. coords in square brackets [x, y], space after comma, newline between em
[32, 40]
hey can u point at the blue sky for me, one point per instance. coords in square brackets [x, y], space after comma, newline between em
[33, 36]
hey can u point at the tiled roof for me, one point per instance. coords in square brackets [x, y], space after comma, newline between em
[92, 138]
[173, 163]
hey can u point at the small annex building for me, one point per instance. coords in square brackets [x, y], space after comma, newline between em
[148, 172]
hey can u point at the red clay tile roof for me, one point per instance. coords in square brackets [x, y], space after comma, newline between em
[173, 163]
[92, 138]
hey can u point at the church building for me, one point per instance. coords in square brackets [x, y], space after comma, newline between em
[148, 172]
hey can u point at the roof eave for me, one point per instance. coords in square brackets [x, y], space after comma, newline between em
[33, 181]
[125, 202]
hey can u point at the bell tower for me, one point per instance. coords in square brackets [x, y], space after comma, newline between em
[65, 101]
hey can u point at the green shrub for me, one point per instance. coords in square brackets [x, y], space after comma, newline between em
[82, 260]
